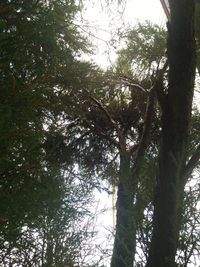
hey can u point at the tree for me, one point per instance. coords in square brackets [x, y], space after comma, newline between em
[189, 232]
[54, 236]
[197, 33]
[112, 122]
[102, 117]
[62, 115]
[129, 199]
[176, 105]
[39, 47]
[37, 39]
[143, 52]
[188, 244]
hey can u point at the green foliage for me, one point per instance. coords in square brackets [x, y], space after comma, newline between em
[144, 51]
[39, 51]
[189, 236]
[38, 41]
[52, 237]
[59, 124]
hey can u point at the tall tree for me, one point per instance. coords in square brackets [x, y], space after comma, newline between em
[116, 119]
[134, 62]
[39, 46]
[176, 105]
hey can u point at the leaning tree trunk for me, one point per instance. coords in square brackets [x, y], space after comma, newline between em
[176, 115]
[124, 244]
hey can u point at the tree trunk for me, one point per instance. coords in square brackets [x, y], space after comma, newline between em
[124, 244]
[176, 116]
[49, 250]
[197, 33]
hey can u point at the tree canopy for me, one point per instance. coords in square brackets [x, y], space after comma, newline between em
[67, 127]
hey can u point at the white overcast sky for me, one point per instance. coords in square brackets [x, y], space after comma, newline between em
[101, 22]
[143, 10]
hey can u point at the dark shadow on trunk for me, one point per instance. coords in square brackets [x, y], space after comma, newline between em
[176, 117]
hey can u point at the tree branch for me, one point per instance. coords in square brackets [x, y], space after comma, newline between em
[146, 131]
[130, 82]
[122, 143]
[105, 111]
[100, 133]
[192, 163]
[157, 89]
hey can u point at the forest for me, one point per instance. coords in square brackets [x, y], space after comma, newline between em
[71, 129]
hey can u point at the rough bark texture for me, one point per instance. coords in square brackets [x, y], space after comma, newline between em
[176, 114]
[123, 251]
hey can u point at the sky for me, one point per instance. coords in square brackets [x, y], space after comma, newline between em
[143, 10]
[102, 22]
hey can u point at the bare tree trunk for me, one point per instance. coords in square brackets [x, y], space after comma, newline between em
[176, 116]
[124, 245]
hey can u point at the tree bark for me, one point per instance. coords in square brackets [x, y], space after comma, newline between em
[197, 33]
[176, 116]
[124, 244]
[125, 237]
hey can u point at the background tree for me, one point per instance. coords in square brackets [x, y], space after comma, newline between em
[40, 46]
[54, 236]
